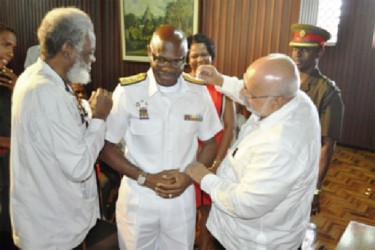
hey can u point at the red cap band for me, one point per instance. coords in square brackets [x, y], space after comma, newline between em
[308, 38]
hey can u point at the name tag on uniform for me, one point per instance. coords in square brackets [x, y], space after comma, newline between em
[197, 118]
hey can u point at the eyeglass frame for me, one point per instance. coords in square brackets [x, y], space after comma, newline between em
[244, 90]
[162, 61]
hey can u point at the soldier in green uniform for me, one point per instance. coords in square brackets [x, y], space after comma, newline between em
[308, 47]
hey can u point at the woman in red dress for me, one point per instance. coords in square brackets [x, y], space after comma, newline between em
[201, 52]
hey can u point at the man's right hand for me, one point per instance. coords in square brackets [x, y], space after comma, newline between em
[100, 103]
[7, 78]
[209, 74]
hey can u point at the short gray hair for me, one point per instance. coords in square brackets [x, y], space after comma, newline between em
[64, 25]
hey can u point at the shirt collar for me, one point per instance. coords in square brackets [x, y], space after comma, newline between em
[153, 87]
[49, 71]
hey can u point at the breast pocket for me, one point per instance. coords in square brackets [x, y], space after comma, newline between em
[145, 127]
[147, 135]
[189, 127]
[239, 165]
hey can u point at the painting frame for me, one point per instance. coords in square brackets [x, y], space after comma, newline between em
[137, 29]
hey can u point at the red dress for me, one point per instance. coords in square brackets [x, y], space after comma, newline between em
[203, 198]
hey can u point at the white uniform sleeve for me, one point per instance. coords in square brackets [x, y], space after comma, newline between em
[211, 124]
[117, 121]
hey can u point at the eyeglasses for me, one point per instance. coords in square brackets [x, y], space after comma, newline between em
[162, 61]
[259, 97]
[247, 95]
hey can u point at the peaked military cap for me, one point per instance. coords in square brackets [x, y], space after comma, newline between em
[306, 35]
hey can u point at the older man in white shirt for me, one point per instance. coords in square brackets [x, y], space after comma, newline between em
[262, 191]
[54, 200]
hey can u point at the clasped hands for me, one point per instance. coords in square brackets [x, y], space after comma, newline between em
[168, 183]
[172, 183]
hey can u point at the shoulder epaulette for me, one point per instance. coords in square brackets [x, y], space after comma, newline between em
[124, 81]
[191, 79]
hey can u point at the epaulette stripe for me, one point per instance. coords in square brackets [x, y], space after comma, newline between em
[190, 79]
[129, 80]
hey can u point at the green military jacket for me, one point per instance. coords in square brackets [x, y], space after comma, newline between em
[327, 98]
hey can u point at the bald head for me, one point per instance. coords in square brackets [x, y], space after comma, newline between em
[168, 37]
[273, 75]
[167, 49]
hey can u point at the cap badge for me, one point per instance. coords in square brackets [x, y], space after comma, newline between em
[302, 33]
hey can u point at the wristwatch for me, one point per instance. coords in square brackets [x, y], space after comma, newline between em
[141, 178]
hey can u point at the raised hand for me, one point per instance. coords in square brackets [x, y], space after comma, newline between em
[209, 74]
[100, 103]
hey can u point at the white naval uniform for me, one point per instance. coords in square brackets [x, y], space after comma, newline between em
[161, 127]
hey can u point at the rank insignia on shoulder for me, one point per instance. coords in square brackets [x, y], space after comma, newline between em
[124, 81]
[193, 80]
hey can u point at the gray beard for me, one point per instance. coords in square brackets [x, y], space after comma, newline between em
[78, 73]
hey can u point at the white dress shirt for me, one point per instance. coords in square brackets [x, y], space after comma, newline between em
[53, 198]
[263, 189]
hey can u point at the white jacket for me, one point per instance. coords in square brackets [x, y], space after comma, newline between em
[53, 196]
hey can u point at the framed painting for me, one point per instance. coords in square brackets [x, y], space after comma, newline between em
[139, 19]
